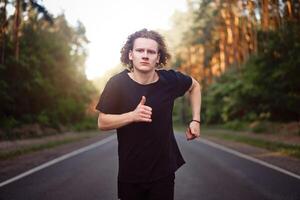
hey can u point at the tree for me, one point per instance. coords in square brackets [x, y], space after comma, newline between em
[27, 5]
[47, 84]
[232, 36]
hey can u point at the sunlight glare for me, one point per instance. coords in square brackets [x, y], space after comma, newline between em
[108, 23]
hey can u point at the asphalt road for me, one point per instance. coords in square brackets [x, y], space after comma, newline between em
[209, 174]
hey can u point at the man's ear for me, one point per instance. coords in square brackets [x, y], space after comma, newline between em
[158, 58]
[130, 55]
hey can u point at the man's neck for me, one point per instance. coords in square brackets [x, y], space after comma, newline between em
[144, 78]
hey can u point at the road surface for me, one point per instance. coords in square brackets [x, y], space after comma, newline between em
[209, 174]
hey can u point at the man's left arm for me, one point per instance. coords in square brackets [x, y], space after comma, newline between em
[193, 131]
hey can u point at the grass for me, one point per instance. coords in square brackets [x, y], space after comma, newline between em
[5, 155]
[286, 149]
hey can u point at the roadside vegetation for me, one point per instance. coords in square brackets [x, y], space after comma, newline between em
[34, 145]
[274, 146]
[249, 138]
[245, 54]
[43, 87]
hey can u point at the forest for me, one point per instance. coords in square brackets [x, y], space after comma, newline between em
[245, 54]
[43, 87]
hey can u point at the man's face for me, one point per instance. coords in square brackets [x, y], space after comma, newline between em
[144, 54]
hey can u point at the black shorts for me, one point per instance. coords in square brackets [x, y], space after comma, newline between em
[162, 189]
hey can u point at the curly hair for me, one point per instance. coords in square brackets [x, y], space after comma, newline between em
[149, 34]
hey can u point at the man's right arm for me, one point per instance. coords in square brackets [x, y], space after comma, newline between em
[108, 121]
[142, 113]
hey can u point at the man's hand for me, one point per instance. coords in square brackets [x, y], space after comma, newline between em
[193, 130]
[142, 113]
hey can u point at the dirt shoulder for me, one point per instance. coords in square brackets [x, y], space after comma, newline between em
[292, 139]
[276, 158]
[19, 164]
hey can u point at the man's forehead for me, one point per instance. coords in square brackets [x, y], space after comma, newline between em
[145, 43]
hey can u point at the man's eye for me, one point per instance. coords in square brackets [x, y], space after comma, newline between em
[139, 50]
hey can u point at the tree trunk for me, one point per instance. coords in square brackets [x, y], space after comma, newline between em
[3, 26]
[276, 14]
[16, 28]
[265, 15]
[289, 9]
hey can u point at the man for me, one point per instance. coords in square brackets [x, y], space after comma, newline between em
[138, 102]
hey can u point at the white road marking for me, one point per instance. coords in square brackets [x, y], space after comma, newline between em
[59, 159]
[248, 157]
[110, 138]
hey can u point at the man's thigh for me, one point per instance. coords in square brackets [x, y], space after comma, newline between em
[162, 189]
[131, 191]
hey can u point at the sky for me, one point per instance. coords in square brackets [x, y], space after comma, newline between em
[108, 24]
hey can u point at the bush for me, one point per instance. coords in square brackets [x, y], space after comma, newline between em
[235, 125]
[89, 123]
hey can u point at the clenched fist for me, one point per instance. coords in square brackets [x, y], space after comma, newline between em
[142, 113]
[192, 131]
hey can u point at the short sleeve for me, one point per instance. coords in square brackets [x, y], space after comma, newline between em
[183, 83]
[109, 100]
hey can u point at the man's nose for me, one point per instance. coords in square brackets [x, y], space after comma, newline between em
[145, 54]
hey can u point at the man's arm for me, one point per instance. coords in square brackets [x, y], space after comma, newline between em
[195, 101]
[108, 121]
[142, 113]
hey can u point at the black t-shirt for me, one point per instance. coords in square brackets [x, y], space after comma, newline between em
[147, 151]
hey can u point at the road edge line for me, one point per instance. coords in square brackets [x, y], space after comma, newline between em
[239, 154]
[57, 160]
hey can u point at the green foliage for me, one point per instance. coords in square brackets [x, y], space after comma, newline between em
[89, 123]
[47, 84]
[268, 87]
[221, 99]
[9, 122]
[235, 125]
[181, 112]
[272, 77]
